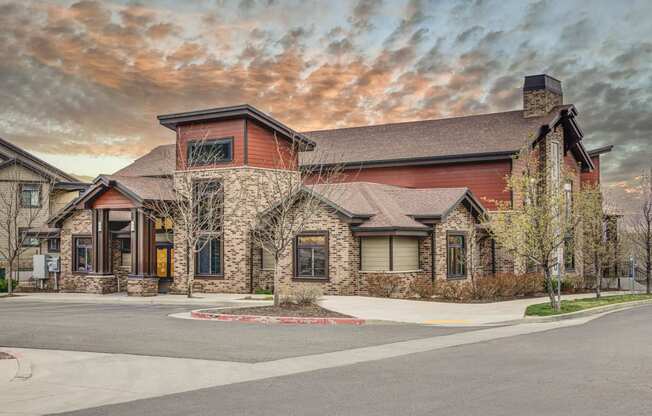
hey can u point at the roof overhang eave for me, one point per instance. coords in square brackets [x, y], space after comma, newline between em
[391, 231]
[426, 160]
[172, 121]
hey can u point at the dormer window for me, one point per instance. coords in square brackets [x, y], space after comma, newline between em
[210, 152]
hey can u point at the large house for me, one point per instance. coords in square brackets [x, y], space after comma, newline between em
[32, 191]
[411, 199]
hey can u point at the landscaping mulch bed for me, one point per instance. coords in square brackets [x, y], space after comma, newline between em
[300, 311]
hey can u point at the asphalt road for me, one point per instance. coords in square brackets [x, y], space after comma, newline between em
[601, 368]
[147, 330]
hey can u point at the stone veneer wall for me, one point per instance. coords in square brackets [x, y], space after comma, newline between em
[458, 220]
[345, 278]
[539, 102]
[262, 278]
[119, 271]
[78, 223]
[571, 170]
[241, 205]
[142, 286]
[342, 260]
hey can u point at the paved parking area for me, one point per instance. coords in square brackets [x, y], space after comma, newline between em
[146, 329]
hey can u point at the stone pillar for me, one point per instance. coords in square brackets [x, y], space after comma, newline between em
[101, 242]
[142, 281]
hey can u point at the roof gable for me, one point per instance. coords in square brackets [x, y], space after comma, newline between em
[379, 207]
[137, 190]
[10, 151]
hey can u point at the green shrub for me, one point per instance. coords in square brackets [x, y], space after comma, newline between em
[261, 291]
[3, 285]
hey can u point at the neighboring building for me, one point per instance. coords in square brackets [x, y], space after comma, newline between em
[41, 191]
[411, 197]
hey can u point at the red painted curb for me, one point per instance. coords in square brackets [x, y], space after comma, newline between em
[275, 319]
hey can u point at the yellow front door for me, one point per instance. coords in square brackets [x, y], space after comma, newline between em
[162, 262]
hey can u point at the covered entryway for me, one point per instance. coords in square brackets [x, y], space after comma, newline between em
[131, 250]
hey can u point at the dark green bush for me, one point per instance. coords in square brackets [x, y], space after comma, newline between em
[3, 285]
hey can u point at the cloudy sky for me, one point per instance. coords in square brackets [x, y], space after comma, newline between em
[82, 82]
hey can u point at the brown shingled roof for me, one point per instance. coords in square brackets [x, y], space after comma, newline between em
[146, 189]
[160, 161]
[382, 206]
[447, 137]
[442, 138]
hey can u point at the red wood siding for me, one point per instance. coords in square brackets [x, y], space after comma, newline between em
[487, 180]
[264, 151]
[112, 198]
[592, 178]
[208, 131]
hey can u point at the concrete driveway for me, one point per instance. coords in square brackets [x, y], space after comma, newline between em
[436, 313]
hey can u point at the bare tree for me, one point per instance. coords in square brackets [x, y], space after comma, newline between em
[196, 206]
[23, 205]
[640, 228]
[535, 229]
[289, 198]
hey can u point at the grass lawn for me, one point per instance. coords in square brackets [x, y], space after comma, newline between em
[544, 309]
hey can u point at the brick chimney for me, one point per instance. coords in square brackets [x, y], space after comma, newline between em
[540, 94]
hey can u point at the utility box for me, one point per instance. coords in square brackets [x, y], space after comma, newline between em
[40, 270]
[54, 264]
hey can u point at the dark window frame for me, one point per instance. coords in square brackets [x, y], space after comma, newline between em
[221, 253]
[295, 256]
[193, 144]
[206, 182]
[40, 195]
[57, 249]
[464, 235]
[74, 253]
[569, 255]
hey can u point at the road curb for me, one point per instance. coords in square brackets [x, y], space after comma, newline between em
[204, 315]
[587, 312]
[23, 367]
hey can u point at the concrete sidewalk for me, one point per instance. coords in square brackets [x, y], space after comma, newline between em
[436, 313]
[161, 299]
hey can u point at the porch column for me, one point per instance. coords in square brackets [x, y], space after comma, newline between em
[143, 245]
[101, 242]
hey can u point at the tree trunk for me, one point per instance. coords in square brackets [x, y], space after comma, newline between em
[277, 283]
[8, 277]
[648, 262]
[558, 300]
[598, 275]
[189, 277]
[551, 288]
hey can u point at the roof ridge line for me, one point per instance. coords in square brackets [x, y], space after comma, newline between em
[411, 121]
